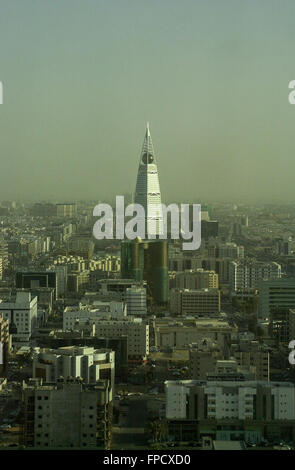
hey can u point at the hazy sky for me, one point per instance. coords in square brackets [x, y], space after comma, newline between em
[81, 78]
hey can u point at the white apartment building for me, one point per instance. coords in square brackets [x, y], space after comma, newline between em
[244, 400]
[135, 329]
[246, 275]
[22, 316]
[85, 362]
[136, 301]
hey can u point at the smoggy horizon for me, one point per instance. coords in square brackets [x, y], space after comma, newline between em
[79, 85]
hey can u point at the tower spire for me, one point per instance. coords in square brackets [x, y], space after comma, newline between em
[147, 151]
[147, 191]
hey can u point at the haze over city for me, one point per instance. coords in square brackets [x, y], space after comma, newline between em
[210, 77]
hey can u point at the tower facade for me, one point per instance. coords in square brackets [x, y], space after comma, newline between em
[147, 191]
[147, 260]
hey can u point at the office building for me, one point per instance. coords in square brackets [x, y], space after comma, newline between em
[203, 302]
[276, 295]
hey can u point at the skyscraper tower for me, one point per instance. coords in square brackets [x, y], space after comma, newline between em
[147, 191]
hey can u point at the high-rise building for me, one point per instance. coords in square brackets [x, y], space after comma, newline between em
[147, 191]
[136, 301]
[148, 261]
[4, 345]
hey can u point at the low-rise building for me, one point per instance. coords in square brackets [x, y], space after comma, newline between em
[67, 415]
[71, 361]
[180, 332]
[230, 409]
[106, 326]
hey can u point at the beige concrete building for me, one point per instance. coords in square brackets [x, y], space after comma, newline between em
[204, 302]
[203, 357]
[67, 415]
[199, 279]
[66, 210]
[175, 332]
[77, 281]
[257, 359]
